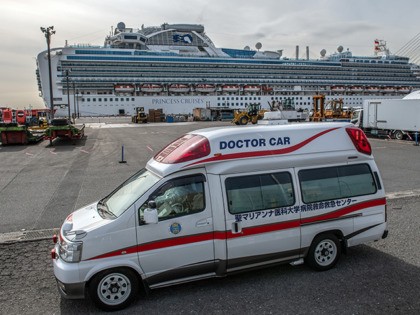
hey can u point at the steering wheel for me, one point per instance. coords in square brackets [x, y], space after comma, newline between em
[177, 207]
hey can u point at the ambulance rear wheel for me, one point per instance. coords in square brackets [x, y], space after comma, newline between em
[324, 252]
[114, 289]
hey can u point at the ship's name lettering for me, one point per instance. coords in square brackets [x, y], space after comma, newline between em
[159, 101]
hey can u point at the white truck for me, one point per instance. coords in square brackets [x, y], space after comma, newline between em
[398, 119]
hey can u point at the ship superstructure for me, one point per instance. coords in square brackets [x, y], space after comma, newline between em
[177, 67]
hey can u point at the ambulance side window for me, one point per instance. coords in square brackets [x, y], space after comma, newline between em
[259, 192]
[337, 182]
[178, 197]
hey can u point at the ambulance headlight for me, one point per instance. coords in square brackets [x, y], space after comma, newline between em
[70, 251]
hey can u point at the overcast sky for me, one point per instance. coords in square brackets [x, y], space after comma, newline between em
[277, 24]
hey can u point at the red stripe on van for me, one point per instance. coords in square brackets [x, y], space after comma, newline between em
[255, 230]
[175, 241]
[250, 154]
[264, 229]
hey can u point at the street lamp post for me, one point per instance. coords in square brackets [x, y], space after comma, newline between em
[68, 93]
[74, 102]
[77, 102]
[48, 32]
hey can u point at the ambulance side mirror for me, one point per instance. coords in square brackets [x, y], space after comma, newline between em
[150, 215]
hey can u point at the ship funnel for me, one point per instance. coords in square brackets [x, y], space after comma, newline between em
[307, 52]
[297, 52]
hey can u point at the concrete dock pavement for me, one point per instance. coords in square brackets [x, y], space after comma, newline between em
[41, 185]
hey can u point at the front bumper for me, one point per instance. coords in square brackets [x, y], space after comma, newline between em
[69, 283]
[71, 290]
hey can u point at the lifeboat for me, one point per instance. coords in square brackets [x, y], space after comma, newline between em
[338, 88]
[388, 89]
[205, 88]
[251, 88]
[230, 88]
[373, 89]
[179, 88]
[124, 88]
[404, 89]
[357, 89]
[151, 88]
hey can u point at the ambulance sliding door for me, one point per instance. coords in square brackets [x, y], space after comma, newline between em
[262, 218]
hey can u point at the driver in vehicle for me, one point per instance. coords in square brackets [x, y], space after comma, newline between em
[173, 201]
[179, 200]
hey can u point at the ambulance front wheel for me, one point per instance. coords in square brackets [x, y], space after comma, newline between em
[114, 289]
[324, 252]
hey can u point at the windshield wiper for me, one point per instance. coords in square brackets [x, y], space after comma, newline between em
[103, 210]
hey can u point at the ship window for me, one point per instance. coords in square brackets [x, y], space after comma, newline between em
[127, 99]
[83, 99]
[88, 99]
[121, 99]
[110, 99]
[99, 99]
[132, 99]
[105, 99]
[93, 99]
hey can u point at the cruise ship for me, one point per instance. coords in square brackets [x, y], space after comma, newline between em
[177, 68]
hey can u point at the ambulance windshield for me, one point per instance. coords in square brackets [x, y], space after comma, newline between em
[125, 195]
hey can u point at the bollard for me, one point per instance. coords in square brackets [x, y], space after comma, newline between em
[416, 137]
[122, 155]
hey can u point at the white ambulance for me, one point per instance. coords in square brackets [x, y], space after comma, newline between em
[223, 200]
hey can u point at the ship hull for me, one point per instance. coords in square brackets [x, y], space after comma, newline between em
[185, 105]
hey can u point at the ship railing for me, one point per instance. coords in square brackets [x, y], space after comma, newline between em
[84, 46]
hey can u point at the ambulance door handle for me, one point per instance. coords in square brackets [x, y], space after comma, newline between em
[236, 228]
[204, 222]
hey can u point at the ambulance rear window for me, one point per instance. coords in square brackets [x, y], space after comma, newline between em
[186, 148]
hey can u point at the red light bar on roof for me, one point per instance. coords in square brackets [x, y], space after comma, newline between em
[187, 148]
[360, 140]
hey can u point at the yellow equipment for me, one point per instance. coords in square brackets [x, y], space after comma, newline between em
[334, 110]
[140, 116]
[319, 109]
[253, 113]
